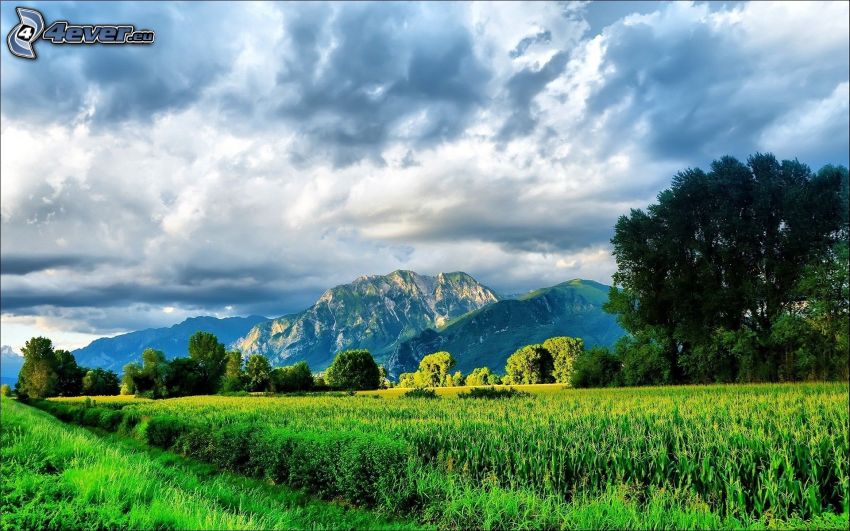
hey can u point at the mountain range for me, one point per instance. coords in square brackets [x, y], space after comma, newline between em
[399, 317]
[488, 336]
[114, 352]
[373, 312]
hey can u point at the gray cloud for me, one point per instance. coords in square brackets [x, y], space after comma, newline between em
[127, 83]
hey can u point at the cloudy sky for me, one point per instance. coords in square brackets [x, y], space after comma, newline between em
[257, 154]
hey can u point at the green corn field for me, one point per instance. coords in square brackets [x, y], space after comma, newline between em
[746, 452]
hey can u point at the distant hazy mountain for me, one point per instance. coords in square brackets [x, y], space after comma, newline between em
[115, 352]
[373, 312]
[10, 365]
[488, 336]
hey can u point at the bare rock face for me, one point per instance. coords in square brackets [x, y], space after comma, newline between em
[373, 312]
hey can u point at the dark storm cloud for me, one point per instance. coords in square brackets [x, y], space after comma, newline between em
[251, 295]
[21, 265]
[128, 82]
[386, 65]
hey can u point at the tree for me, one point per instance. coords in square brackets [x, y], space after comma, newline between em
[69, 376]
[354, 370]
[435, 368]
[407, 379]
[211, 357]
[643, 362]
[128, 378]
[385, 380]
[37, 377]
[185, 377]
[532, 364]
[720, 256]
[150, 381]
[5, 390]
[564, 351]
[258, 373]
[482, 376]
[292, 378]
[234, 376]
[596, 367]
[100, 382]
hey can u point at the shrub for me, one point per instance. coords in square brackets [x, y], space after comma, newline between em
[354, 370]
[597, 367]
[532, 364]
[163, 431]
[491, 393]
[420, 392]
[5, 390]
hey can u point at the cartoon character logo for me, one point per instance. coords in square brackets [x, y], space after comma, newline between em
[21, 39]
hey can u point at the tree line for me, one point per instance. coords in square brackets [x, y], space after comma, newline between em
[54, 372]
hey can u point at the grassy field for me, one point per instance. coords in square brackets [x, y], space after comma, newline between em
[56, 476]
[681, 457]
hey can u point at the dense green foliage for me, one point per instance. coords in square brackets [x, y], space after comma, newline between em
[734, 275]
[354, 370]
[482, 376]
[48, 372]
[491, 393]
[725, 455]
[211, 358]
[54, 476]
[532, 364]
[420, 392]
[69, 375]
[234, 376]
[564, 351]
[258, 373]
[292, 378]
[434, 371]
[100, 382]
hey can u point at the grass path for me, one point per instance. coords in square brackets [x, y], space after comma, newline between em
[57, 476]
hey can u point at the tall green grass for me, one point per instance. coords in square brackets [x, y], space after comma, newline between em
[700, 456]
[56, 476]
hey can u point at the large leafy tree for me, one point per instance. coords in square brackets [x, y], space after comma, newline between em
[292, 378]
[532, 364]
[707, 272]
[258, 373]
[564, 351]
[354, 370]
[150, 380]
[234, 376]
[97, 382]
[185, 378]
[211, 356]
[435, 369]
[38, 376]
[482, 376]
[69, 375]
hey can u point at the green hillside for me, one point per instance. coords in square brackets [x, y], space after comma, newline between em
[487, 336]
